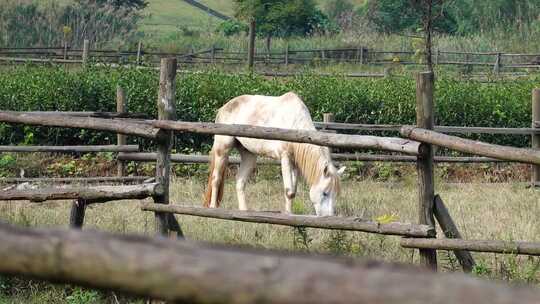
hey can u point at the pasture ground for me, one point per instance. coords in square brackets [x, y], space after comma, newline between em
[506, 211]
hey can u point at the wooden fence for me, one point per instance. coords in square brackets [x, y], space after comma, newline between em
[496, 61]
[418, 143]
[188, 272]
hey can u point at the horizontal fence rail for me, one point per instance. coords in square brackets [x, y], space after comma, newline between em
[327, 222]
[528, 156]
[302, 136]
[507, 247]
[441, 129]
[102, 179]
[87, 194]
[82, 149]
[102, 124]
[203, 159]
[182, 271]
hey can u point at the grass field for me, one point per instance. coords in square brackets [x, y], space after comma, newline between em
[481, 211]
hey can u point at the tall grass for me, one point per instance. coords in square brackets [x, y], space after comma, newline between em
[27, 24]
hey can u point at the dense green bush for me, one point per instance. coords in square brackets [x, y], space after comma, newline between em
[199, 95]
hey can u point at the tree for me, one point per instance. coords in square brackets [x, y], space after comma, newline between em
[341, 12]
[283, 18]
[396, 16]
[126, 4]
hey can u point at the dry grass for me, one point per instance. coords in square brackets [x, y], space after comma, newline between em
[482, 211]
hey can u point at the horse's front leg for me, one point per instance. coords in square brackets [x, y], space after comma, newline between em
[288, 184]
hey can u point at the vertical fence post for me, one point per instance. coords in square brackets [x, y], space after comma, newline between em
[287, 54]
[213, 54]
[424, 164]
[139, 50]
[166, 111]
[535, 140]
[120, 138]
[76, 218]
[251, 46]
[327, 118]
[497, 66]
[86, 46]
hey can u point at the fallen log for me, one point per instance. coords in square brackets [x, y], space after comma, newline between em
[114, 125]
[302, 136]
[325, 222]
[472, 147]
[88, 194]
[188, 272]
[507, 247]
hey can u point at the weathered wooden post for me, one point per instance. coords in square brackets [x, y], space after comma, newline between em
[535, 139]
[497, 66]
[450, 230]
[139, 53]
[251, 46]
[86, 46]
[424, 165]
[327, 118]
[213, 54]
[76, 217]
[166, 111]
[287, 54]
[120, 138]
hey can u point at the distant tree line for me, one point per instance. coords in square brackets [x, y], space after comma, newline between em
[282, 18]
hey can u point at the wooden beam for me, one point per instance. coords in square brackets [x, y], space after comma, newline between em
[189, 272]
[76, 217]
[70, 149]
[100, 179]
[425, 86]
[472, 147]
[450, 230]
[203, 159]
[506, 247]
[121, 139]
[166, 105]
[113, 125]
[303, 136]
[88, 194]
[327, 222]
[535, 138]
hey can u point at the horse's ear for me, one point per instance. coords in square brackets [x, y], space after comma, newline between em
[341, 170]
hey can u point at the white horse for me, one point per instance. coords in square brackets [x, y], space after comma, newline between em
[311, 161]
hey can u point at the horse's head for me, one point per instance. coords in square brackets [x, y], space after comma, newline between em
[323, 193]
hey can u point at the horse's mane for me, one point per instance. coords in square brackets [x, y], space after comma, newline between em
[311, 161]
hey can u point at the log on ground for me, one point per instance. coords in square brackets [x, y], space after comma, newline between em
[507, 247]
[326, 222]
[471, 146]
[392, 144]
[188, 272]
[88, 194]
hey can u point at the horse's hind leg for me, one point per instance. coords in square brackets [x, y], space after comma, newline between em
[247, 164]
[220, 155]
[289, 181]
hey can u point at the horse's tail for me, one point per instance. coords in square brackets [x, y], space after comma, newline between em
[221, 178]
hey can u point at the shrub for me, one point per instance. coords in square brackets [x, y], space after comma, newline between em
[199, 95]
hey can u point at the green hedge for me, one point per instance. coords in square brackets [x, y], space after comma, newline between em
[199, 95]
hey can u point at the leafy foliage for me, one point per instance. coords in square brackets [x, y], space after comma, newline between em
[281, 18]
[199, 95]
